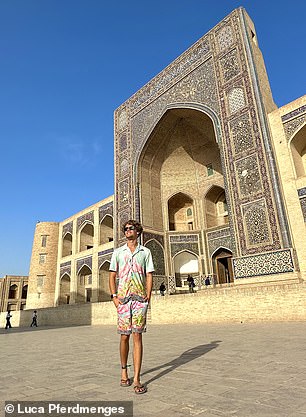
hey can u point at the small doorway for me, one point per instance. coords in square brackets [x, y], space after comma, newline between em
[223, 266]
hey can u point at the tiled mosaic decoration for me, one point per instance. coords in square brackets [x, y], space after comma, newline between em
[87, 217]
[67, 228]
[264, 264]
[65, 268]
[85, 261]
[106, 209]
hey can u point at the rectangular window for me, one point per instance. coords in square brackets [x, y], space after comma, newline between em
[89, 279]
[42, 258]
[210, 170]
[40, 280]
[44, 240]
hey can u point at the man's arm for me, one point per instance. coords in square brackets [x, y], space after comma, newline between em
[149, 284]
[112, 286]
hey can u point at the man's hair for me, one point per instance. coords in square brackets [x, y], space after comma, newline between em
[134, 223]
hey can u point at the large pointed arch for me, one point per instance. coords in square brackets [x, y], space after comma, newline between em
[175, 159]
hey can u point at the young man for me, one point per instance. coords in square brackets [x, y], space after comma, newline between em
[132, 264]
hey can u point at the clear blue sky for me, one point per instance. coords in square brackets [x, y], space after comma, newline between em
[66, 65]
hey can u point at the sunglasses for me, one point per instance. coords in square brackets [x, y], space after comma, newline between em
[129, 228]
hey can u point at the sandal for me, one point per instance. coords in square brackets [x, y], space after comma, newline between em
[140, 389]
[125, 382]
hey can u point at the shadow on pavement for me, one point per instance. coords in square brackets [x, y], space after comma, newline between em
[187, 356]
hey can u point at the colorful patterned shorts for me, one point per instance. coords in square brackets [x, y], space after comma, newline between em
[132, 317]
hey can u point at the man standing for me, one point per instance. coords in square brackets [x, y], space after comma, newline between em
[34, 319]
[8, 320]
[132, 264]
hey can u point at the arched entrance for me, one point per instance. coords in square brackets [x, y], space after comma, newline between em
[64, 297]
[86, 237]
[223, 267]
[67, 244]
[185, 263]
[103, 292]
[106, 230]
[174, 165]
[84, 285]
[180, 212]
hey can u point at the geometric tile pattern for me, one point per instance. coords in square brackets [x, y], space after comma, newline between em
[67, 228]
[264, 264]
[85, 261]
[255, 217]
[65, 268]
[87, 217]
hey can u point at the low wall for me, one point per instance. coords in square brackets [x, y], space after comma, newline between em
[281, 302]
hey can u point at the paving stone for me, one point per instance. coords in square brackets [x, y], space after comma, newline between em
[191, 370]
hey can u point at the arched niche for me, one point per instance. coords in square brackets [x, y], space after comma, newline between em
[174, 160]
[185, 263]
[64, 296]
[24, 292]
[180, 212]
[84, 285]
[157, 255]
[298, 152]
[67, 245]
[106, 230]
[13, 292]
[86, 237]
[103, 291]
[215, 204]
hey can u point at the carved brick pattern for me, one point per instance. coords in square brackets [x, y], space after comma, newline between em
[183, 65]
[242, 135]
[178, 247]
[293, 126]
[172, 285]
[264, 264]
[148, 236]
[65, 268]
[236, 99]
[123, 192]
[88, 217]
[303, 206]
[122, 119]
[103, 256]
[67, 228]
[219, 239]
[199, 86]
[123, 142]
[124, 167]
[230, 66]
[248, 176]
[294, 113]
[302, 192]
[228, 124]
[106, 209]
[158, 256]
[256, 224]
[225, 38]
[184, 238]
[85, 261]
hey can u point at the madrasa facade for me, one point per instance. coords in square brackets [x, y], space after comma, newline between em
[211, 167]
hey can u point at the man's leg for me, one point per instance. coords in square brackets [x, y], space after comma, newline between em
[137, 356]
[124, 353]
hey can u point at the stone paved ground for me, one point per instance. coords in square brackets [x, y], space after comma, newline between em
[195, 370]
